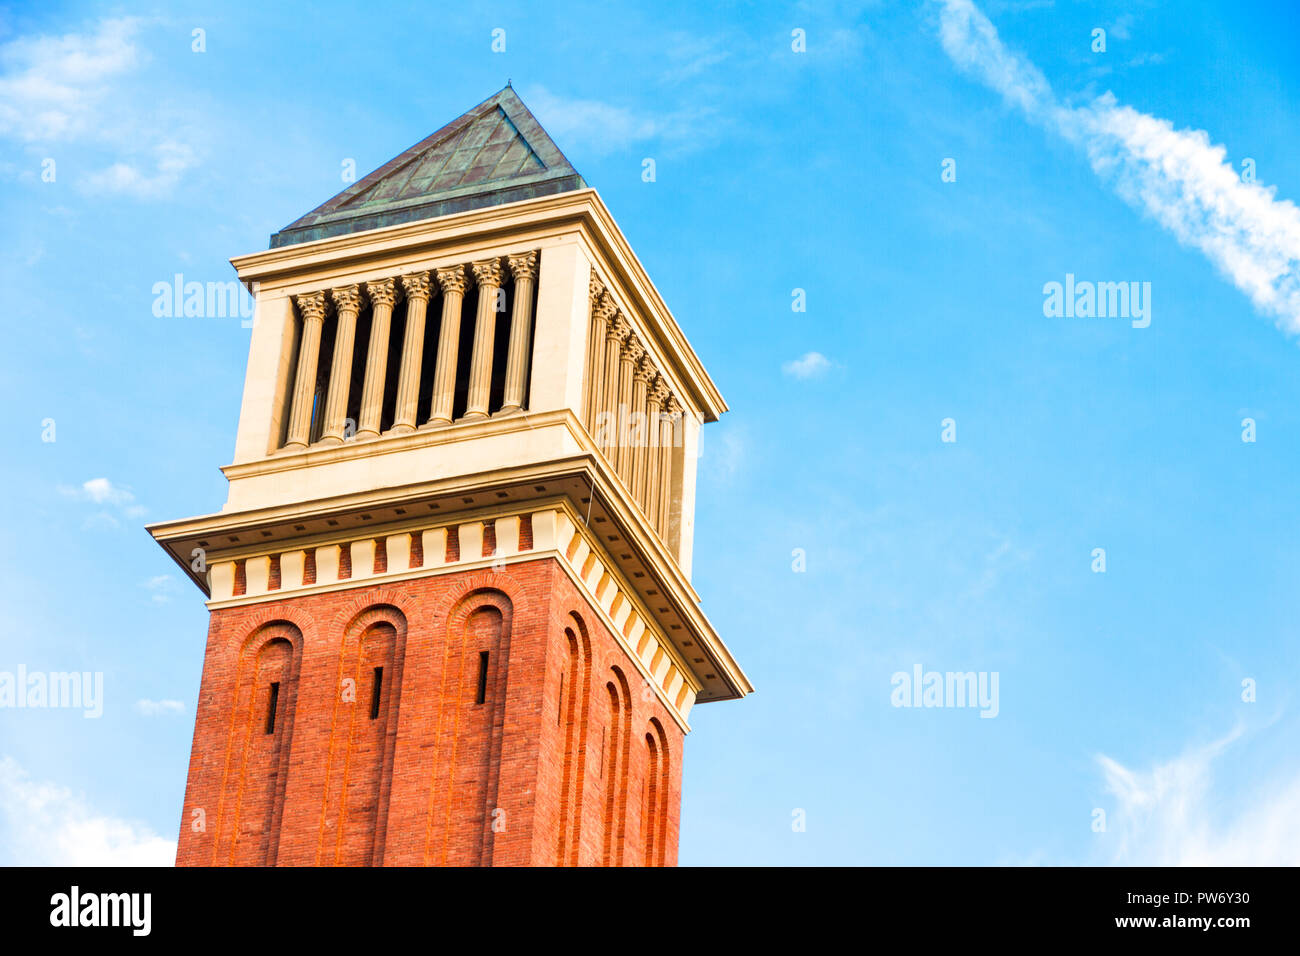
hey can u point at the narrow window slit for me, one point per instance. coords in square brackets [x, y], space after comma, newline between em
[481, 696]
[270, 706]
[376, 692]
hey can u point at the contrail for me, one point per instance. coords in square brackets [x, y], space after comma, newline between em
[1177, 177]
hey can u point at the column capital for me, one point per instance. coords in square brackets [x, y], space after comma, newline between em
[487, 272]
[595, 288]
[616, 327]
[348, 298]
[633, 350]
[673, 407]
[383, 292]
[312, 305]
[452, 279]
[416, 285]
[645, 370]
[659, 390]
[523, 265]
[606, 310]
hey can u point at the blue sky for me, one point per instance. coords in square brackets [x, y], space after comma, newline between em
[776, 170]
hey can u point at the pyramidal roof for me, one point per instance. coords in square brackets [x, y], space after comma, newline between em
[496, 153]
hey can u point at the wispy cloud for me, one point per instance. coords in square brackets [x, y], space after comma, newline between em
[1177, 177]
[45, 824]
[808, 365]
[160, 588]
[59, 92]
[101, 491]
[601, 128]
[52, 88]
[1170, 815]
[171, 160]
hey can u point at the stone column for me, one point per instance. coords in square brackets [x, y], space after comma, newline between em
[638, 427]
[627, 363]
[383, 294]
[592, 390]
[658, 391]
[488, 276]
[666, 422]
[616, 330]
[416, 286]
[312, 309]
[524, 269]
[347, 300]
[452, 281]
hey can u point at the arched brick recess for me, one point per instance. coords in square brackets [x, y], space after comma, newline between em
[262, 704]
[467, 732]
[575, 703]
[358, 774]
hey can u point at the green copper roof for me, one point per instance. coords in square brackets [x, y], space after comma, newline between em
[496, 153]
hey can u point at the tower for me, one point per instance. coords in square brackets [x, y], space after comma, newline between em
[451, 617]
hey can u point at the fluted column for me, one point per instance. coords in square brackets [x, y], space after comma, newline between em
[383, 294]
[627, 361]
[312, 309]
[616, 330]
[452, 281]
[416, 286]
[524, 269]
[658, 391]
[666, 422]
[348, 300]
[593, 391]
[636, 433]
[488, 276]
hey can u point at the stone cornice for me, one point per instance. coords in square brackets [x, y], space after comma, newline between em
[556, 533]
[589, 467]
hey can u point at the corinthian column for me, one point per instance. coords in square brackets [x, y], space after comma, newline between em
[627, 362]
[347, 300]
[666, 423]
[593, 392]
[416, 286]
[638, 436]
[524, 269]
[488, 276]
[383, 294]
[616, 330]
[453, 283]
[654, 405]
[312, 309]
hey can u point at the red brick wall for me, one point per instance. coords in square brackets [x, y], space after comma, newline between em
[551, 768]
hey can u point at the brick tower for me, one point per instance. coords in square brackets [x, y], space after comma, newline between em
[451, 618]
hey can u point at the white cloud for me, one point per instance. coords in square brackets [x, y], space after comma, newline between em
[809, 365]
[602, 128]
[72, 90]
[157, 708]
[160, 588]
[45, 824]
[1171, 815]
[172, 160]
[52, 87]
[101, 491]
[1177, 177]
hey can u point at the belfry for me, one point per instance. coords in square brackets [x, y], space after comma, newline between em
[451, 616]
